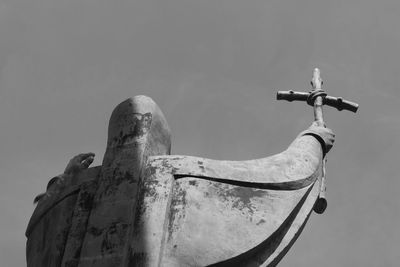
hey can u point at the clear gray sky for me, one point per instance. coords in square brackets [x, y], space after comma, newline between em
[213, 67]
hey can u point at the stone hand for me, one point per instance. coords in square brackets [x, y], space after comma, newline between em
[75, 165]
[78, 163]
[326, 134]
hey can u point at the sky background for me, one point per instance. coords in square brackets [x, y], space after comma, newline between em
[214, 68]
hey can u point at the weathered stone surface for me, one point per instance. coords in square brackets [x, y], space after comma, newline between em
[231, 213]
[143, 207]
[50, 224]
[136, 131]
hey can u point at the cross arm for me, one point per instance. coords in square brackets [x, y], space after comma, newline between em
[336, 102]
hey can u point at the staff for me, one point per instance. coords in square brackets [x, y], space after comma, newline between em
[317, 98]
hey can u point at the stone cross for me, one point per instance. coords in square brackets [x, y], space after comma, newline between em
[145, 207]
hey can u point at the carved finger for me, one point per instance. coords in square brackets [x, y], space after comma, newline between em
[86, 163]
[38, 198]
[52, 181]
[81, 157]
[79, 162]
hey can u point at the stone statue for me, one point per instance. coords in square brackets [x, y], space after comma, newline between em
[145, 207]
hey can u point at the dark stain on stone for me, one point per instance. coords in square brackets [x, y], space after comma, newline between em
[114, 237]
[177, 208]
[111, 182]
[193, 182]
[61, 238]
[201, 165]
[150, 170]
[129, 177]
[124, 139]
[72, 263]
[166, 165]
[241, 196]
[139, 211]
[138, 259]
[260, 222]
[137, 125]
[95, 231]
[245, 194]
[85, 200]
[150, 188]
[142, 123]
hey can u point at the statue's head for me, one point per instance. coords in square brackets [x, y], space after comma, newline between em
[139, 120]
